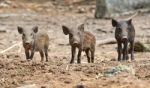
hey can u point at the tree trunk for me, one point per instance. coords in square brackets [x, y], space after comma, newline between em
[112, 8]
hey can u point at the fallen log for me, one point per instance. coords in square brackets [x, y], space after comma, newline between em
[106, 41]
[114, 8]
[138, 46]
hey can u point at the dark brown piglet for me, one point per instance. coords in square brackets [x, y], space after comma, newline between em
[124, 34]
[34, 41]
[83, 40]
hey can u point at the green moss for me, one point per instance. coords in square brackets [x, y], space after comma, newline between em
[140, 47]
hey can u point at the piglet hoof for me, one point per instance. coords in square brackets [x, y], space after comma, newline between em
[28, 60]
[129, 61]
[127, 58]
[123, 59]
[133, 60]
[119, 59]
[71, 62]
[42, 60]
[92, 61]
[78, 62]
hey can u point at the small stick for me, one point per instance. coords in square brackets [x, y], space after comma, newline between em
[3, 51]
[20, 48]
[134, 15]
[67, 67]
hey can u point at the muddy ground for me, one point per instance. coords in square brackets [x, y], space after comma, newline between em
[15, 71]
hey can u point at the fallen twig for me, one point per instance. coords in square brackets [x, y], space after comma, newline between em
[134, 15]
[17, 44]
[20, 48]
[67, 67]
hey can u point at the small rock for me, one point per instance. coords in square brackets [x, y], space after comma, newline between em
[113, 59]
[67, 82]
[28, 86]
[79, 86]
[81, 10]
[3, 31]
[43, 86]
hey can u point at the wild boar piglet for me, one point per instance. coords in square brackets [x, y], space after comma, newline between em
[124, 34]
[33, 40]
[83, 40]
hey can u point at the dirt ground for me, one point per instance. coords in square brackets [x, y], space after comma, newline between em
[16, 72]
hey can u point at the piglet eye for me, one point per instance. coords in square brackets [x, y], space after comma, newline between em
[118, 28]
[31, 34]
[78, 32]
[71, 35]
[23, 34]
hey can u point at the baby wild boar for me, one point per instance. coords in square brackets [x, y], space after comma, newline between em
[124, 33]
[83, 40]
[34, 41]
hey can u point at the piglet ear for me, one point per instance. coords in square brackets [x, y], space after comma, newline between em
[20, 30]
[114, 23]
[129, 21]
[81, 27]
[35, 29]
[65, 30]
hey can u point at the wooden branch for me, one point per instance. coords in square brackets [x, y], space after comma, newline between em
[20, 48]
[111, 41]
[17, 44]
[134, 15]
[106, 41]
